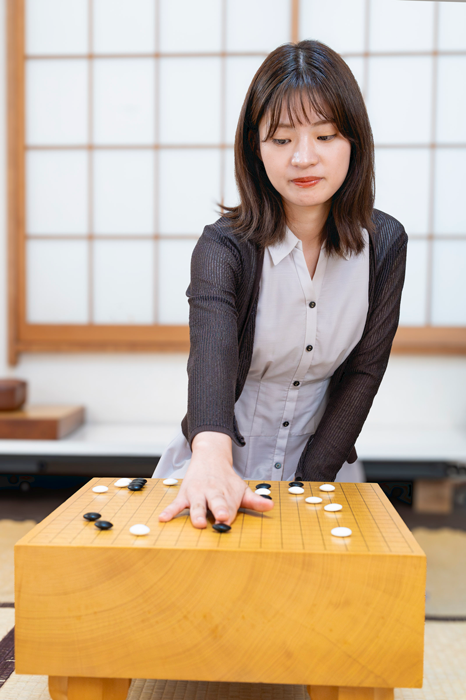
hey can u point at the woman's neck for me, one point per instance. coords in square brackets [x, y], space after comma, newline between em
[307, 223]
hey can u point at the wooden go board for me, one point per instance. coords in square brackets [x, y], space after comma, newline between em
[278, 599]
[293, 525]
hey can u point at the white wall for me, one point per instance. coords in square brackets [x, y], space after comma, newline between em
[143, 388]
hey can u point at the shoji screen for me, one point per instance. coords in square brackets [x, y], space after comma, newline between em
[122, 122]
[130, 110]
[410, 61]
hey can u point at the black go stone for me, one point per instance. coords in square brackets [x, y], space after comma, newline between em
[264, 495]
[135, 487]
[221, 527]
[91, 516]
[103, 524]
[139, 481]
[262, 486]
[296, 483]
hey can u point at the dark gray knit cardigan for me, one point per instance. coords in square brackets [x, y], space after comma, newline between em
[223, 296]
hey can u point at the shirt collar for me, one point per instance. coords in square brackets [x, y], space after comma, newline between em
[280, 250]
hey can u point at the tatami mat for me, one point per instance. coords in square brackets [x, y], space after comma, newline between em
[445, 550]
[444, 678]
[10, 532]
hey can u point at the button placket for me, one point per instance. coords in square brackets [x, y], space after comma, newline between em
[284, 431]
[310, 294]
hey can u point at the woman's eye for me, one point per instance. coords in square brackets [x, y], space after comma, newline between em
[281, 142]
[327, 138]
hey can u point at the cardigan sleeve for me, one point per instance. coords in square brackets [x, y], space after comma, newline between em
[213, 329]
[352, 394]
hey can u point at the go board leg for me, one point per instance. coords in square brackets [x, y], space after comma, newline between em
[333, 692]
[98, 688]
[58, 687]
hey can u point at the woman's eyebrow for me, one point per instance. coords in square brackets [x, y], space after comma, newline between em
[318, 123]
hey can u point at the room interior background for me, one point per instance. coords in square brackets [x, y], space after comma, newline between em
[130, 113]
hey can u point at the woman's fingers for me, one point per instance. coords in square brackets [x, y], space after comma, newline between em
[255, 502]
[175, 507]
[197, 511]
[221, 508]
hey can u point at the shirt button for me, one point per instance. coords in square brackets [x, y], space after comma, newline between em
[277, 465]
[312, 304]
[309, 348]
[295, 383]
[285, 424]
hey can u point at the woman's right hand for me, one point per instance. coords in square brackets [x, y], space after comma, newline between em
[212, 484]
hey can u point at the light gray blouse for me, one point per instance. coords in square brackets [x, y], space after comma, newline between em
[305, 328]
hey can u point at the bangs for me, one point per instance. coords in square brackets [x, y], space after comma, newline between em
[293, 97]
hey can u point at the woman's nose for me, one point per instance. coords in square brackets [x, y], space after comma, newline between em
[305, 154]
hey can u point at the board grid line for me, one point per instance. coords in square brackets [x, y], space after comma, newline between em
[377, 525]
[393, 519]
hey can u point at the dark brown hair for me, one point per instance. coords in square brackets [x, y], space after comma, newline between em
[311, 69]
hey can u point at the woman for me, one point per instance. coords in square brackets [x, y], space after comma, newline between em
[294, 294]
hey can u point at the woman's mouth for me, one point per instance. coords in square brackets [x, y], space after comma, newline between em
[306, 181]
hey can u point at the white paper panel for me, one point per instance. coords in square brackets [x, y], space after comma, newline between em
[124, 282]
[449, 283]
[338, 23]
[124, 192]
[57, 282]
[124, 26]
[399, 99]
[56, 192]
[452, 25]
[190, 26]
[240, 71]
[401, 26]
[56, 27]
[450, 189]
[356, 65]
[124, 93]
[173, 279]
[261, 25]
[190, 100]
[189, 187]
[406, 201]
[414, 297]
[231, 194]
[56, 102]
[451, 101]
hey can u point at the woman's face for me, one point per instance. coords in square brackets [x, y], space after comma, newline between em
[306, 163]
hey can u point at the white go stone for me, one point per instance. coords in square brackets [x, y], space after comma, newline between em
[263, 492]
[341, 532]
[139, 530]
[122, 483]
[313, 499]
[327, 487]
[100, 489]
[333, 506]
[170, 482]
[296, 489]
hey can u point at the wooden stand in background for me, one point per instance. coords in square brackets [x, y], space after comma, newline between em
[40, 422]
